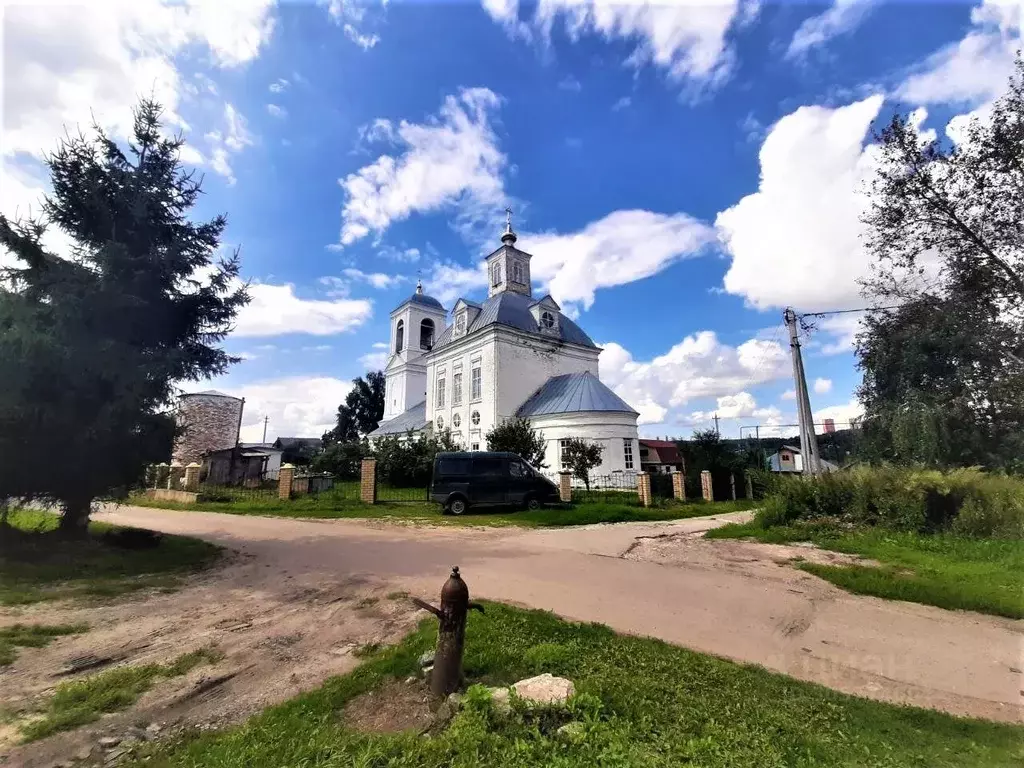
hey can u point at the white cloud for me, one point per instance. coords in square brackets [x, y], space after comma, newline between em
[275, 111]
[822, 386]
[375, 279]
[622, 247]
[622, 103]
[229, 140]
[279, 86]
[298, 406]
[450, 161]
[364, 41]
[699, 366]
[380, 345]
[403, 254]
[842, 17]
[797, 240]
[976, 68]
[684, 38]
[374, 361]
[275, 310]
[789, 394]
[842, 415]
[570, 83]
[85, 61]
[448, 282]
[349, 15]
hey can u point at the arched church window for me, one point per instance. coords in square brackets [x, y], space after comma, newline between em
[517, 272]
[496, 273]
[456, 420]
[400, 336]
[547, 320]
[440, 422]
[427, 334]
[475, 418]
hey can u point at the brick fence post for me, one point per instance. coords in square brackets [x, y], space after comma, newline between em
[174, 476]
[705, 486]
[192, 477]
[679, 485]
[285, 478]
[368, 481]
[565, 486]
[643, 487]
[160, 476]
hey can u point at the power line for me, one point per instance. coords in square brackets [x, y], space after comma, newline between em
[849, 311]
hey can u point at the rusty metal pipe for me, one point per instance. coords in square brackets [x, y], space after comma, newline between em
[446, 677]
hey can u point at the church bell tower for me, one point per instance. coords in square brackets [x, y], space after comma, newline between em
[508, 268]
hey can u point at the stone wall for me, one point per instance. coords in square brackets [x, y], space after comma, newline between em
[210, 423]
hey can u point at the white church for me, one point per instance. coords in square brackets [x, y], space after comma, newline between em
[511, 356]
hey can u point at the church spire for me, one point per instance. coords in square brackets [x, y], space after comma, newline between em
[508, 237]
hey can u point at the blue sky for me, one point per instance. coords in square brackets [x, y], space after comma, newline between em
[680, 172]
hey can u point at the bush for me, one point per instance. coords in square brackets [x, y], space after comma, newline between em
[965, 501]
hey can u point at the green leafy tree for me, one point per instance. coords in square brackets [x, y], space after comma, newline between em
[343, 460]
[580, 456]
[408, 461]
[517, 436]
[362, 410]
[944, 371]
[92, 342]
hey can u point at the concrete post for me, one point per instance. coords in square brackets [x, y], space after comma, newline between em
[368, 481]
[750, 487]
[192, 477]
[679, 485]
[285, 478]
[643, 485]
[174, 477]
[160, 480]
[732, 485]
[565, 486]
[705, 486]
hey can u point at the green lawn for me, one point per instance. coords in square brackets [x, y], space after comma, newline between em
[84, 701]
[985, 575]
[31, 636]
[328, 506]
[642, 703]
[36, 564]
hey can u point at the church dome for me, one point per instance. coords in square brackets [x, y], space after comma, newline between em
[419, 297]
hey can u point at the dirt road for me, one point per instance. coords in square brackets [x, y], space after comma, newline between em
[733, 599]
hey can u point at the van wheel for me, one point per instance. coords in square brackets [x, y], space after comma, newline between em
[532, 503]
[457, 506]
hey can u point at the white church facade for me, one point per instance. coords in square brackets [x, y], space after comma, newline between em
[511, 356]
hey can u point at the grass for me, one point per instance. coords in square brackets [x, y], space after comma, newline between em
[32, 636]
[583, 513]
[85, 701]
[642, 703]
[36, 564]
[984, 575]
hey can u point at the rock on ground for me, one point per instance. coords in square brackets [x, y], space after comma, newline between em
[501, 701]
[544, 689]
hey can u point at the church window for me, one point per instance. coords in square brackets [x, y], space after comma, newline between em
[496, 273]
[475, 418]
[562, 446]
[547, 320]
[400, 336]
[457, 389]
[475, 447]
[627, 452]
[517, 272]
[456, 420]
[427, 334]
[440, 421]
[460, 324]
[475, 385]
[440, 393]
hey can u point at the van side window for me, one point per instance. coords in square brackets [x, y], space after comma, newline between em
[453, 467]
[516, 469]
[489, 467]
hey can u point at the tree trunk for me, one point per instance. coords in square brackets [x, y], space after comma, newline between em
[75, 521]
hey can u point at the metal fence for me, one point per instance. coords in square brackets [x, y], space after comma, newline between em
[256, 488]
[617, 488]
[387, 492]
[661, 486]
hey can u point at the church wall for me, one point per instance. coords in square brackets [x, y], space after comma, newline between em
[478, 352]
[524, 363]
[609, 429]
[406, 372]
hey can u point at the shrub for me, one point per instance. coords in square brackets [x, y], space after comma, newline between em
[965, 501]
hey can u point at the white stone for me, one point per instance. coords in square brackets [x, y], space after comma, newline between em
[545, 689]
[501, 700]
[108, 742]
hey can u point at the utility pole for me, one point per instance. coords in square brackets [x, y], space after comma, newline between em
[266, 419]
[719, 434]
[808, 440]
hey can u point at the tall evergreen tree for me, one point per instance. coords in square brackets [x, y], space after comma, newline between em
[93, 341]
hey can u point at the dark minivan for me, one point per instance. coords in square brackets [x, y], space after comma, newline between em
[462, 480]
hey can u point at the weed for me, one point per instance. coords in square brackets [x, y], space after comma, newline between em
[32, 636]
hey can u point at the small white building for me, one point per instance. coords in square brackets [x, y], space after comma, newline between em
[511, 356]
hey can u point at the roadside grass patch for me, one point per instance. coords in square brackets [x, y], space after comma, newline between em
[84, 701]
[944, 570]
[641, 702]
[37, 564]
[581, 513]
[32, 636]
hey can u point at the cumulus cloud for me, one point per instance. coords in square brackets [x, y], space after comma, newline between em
[796, 241]
[91, 60]
[842, 17]
[974, 69]
[822, 386]
[225, 142]
[789, 394]
[450, 161]
[684, 39]
[842, 414]
[276, 310]
[699, 366]
[374, 361]
[375, 279]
